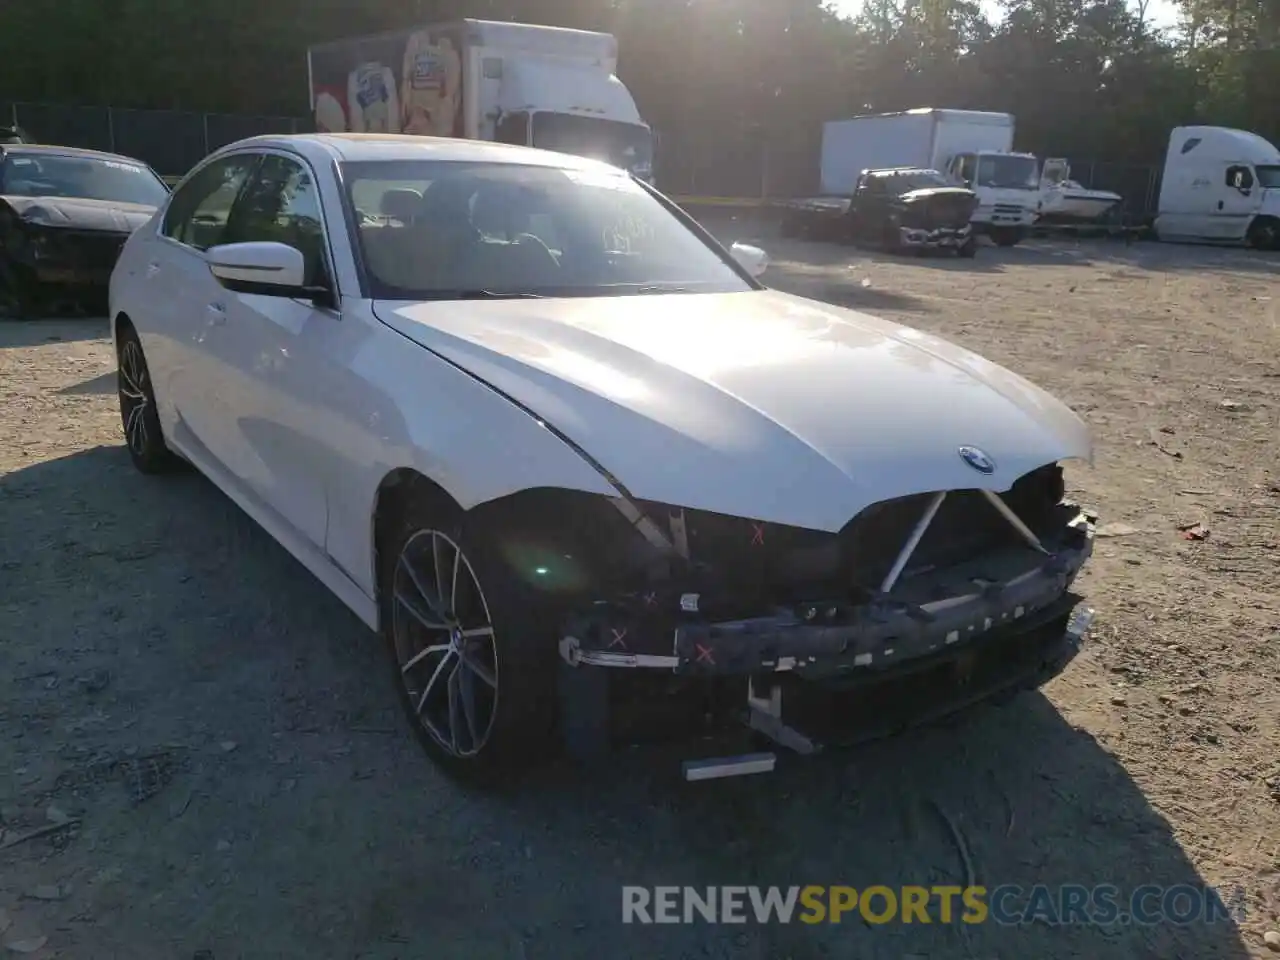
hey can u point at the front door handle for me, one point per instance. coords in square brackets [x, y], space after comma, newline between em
[152, 269]
[216, 313]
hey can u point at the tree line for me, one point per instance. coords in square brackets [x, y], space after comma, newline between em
[1085, 78]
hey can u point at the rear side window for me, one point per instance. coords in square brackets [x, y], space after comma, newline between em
[198, 213]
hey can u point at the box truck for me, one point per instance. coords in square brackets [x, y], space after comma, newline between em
[529, 84]
[1220, 184]
[972, 148]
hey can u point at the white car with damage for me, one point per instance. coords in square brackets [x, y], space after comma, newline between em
[556, 444]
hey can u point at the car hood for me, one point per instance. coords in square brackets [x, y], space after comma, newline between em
[107, 215]
[926, 192]
[757, 404]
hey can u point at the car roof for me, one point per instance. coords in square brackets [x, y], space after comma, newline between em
[389, 147]
[55, 150]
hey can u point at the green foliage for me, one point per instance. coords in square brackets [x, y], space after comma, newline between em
[1084, 77]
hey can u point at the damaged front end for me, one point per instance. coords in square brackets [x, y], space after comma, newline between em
[945, 598]
[46, 265]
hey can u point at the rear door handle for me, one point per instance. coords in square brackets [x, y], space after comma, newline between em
[216, 313]
[152, 269]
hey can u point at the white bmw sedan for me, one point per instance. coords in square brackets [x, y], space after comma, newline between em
[544, 434]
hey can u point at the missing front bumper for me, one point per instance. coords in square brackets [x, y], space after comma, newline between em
[828, 640]
[923, 694]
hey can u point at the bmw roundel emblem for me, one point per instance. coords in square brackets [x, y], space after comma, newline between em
[977, 459]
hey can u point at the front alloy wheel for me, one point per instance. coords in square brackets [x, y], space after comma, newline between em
[444, 642]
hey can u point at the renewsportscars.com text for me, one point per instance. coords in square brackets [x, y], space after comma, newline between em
[1006, 905]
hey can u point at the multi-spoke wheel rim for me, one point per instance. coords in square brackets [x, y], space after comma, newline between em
[444, 643]
[134, 397]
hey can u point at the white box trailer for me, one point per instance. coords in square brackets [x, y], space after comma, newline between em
[972, 147]
[529, 84]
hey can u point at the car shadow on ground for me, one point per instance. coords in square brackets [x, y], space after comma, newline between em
[99, 385]
[31, 333]
[294, 815]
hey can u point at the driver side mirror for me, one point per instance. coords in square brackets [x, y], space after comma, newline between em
[752, 259]
[266, 268]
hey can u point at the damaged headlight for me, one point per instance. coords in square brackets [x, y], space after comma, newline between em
[566, 542]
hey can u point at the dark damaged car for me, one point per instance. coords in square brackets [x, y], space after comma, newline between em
[64, 216]
[898, 209]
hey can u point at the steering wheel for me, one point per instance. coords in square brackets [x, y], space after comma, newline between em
[529, 240]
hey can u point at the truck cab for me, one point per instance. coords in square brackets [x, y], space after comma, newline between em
[1008, 187]
[1220, 184]
[555, 89]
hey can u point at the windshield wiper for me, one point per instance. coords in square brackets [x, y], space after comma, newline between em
[481, 295]
[657, 288]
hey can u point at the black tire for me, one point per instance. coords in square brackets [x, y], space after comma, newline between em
[143, 436]
[511, 722]
[20, 295]
[1264, 234]
[1006, 236]
[969, 249]
[891, 239]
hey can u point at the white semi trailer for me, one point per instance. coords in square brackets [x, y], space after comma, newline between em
[1220, 184]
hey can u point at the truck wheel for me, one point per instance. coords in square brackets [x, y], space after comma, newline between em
[1264, 234]
[969, 249]
[1007, 236]
[892, 239]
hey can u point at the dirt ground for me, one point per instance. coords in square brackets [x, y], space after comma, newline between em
[208, 747]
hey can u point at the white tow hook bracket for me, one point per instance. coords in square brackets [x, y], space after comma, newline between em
[570, 651]
[718, 768]
[764, 715]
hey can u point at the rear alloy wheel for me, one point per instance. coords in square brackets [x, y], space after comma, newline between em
[142, 434]
[474, 651]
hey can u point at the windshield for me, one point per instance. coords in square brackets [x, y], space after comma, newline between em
[625, 145]
[444, 230]
[918, 180]
[80, 178]
[1008, 172]
[1269, 175]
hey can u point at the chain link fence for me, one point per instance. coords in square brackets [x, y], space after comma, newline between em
[171, 141]
[751, 165]
[756, 167]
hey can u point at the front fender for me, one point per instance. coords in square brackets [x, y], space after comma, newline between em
[422, 413]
